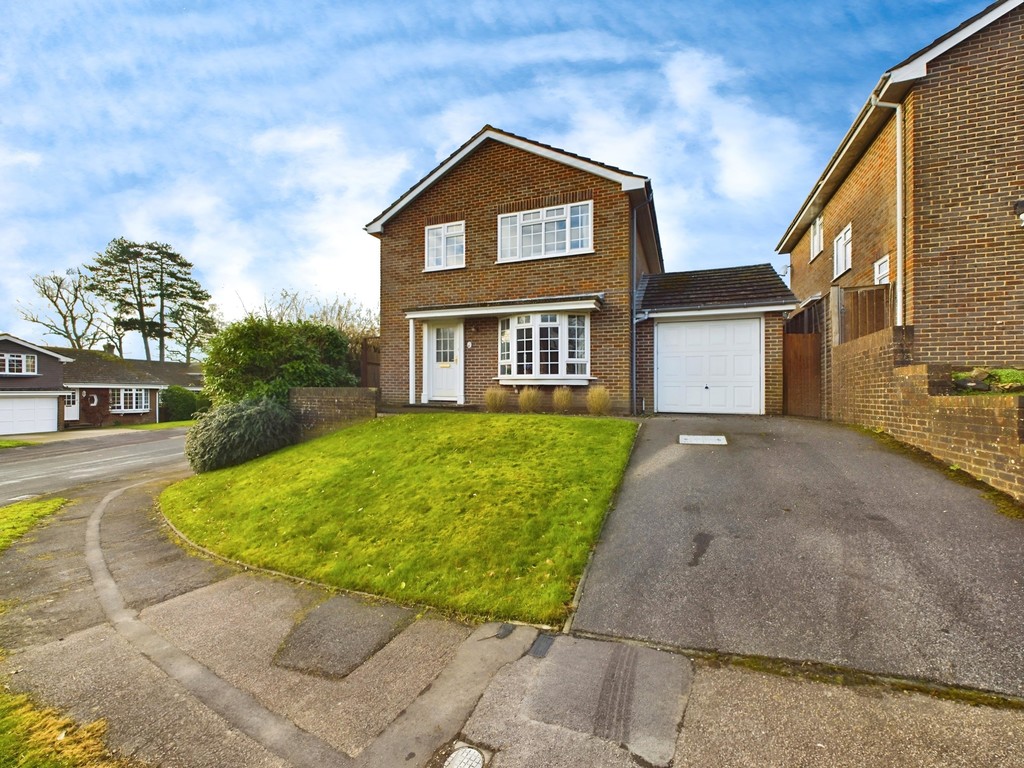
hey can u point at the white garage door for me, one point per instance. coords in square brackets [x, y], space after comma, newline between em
[709, 366]
[24, 415]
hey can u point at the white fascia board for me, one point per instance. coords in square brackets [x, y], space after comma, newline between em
[918, 66]
[577, 305]
[22, 342]
[32, 393]
[626, 181]
[122, 385]
[721, 312]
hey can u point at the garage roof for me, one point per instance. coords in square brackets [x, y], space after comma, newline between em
[758, 285]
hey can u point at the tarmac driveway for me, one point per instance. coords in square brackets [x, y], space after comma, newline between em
[807, 540]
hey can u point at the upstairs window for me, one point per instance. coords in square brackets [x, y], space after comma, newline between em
[817, 237]
[446, 246]
[556, 231]
[543, 346]
[882, 271]
[13, 364]
[842, 252]
[129, 400]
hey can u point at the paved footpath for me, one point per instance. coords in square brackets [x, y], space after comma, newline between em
[194, 663]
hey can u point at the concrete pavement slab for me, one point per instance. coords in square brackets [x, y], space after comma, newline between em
[584, 703]
[807, 540]
[739, 718]
[96, 674]
[340, 634]
[235, 628]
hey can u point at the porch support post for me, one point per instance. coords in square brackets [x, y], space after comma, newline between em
[412, 362]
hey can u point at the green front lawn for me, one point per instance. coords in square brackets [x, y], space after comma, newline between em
[492, 515]
[13, 443]
[16, 519]
[162, 425]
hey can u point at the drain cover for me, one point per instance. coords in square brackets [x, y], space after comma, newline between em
[702, 440]
[465, 757]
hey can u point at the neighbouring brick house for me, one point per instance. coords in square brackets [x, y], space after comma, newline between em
[105, 389]
[31, 387]
[909, 250]
[516, 264]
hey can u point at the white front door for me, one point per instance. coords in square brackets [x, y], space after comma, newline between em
[71, 406]
[444, 362]
[709, 366]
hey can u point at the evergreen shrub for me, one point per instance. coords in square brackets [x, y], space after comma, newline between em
[235, 433]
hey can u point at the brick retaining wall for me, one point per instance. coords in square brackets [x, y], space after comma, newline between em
[323, 409]
[984, 435]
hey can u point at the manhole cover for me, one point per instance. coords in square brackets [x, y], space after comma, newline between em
[465, 757]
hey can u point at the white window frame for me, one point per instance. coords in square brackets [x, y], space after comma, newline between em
[882, 270]
[452, 238]
[27, 364]
[817, 237]
[529, 327]
[129, 400]
[71, 398]
[842, 252]
[543, 223]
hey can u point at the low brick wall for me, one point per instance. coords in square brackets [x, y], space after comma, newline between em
[324, 409]
[984, 435]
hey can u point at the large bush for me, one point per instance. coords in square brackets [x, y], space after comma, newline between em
[235, 433]
[262, 357]
[180, 404]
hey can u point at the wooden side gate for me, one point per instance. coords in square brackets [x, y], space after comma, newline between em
[801, 363]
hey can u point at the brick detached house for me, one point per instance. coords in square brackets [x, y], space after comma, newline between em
[516, 264]
[908, 255]
[31, 387]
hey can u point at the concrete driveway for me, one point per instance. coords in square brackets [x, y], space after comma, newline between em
[805, 540]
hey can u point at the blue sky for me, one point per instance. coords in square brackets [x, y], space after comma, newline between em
[258, 138]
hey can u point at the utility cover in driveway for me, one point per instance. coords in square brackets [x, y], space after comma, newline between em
[709, 366]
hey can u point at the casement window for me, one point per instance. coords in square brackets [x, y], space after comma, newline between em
[842, 252]
[13, 364]
[446, 246]
[882, 271]
[129, 401]
[544, 346]
[817, 237]
[556, 231]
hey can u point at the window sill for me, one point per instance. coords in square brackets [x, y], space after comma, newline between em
[524, 381]
[546, 256]
[21, 374]
[816, 255]
[443, 269]
[125, 413]
[836, 277]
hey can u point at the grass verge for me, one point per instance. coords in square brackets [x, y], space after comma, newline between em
[30, 736]
[13, 443]
[161, 425]
[486, 514]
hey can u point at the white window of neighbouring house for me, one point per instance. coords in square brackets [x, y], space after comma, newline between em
[129, 400]
[446, 246]
[543, 346]
[557, 231]
[13, 364]
[882, 271]
[842, 251]
[817, 237]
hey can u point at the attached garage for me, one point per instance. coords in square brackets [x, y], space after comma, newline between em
[26, 415]
[710, 341]
[709, 366]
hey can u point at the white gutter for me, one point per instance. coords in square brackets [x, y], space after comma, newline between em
[900, 223]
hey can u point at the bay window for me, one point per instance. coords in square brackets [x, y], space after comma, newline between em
[129, 400]
[543, 346]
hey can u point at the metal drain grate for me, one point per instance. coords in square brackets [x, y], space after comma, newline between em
[465, 757]
[702, 440]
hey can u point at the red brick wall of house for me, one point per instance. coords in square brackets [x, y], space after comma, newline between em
[99, 415]
[495, 179]
[968, 173]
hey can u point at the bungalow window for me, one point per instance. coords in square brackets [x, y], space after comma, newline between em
[446, 246]
[543, 346]
[13, 364]
[129, 401]
[842, 252]
[556, 231]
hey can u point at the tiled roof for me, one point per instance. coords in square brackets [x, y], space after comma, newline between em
[92, 366]
[758, 285]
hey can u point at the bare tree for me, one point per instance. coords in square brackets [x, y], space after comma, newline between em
[353, 319]
[74, 313]
[192, 325]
